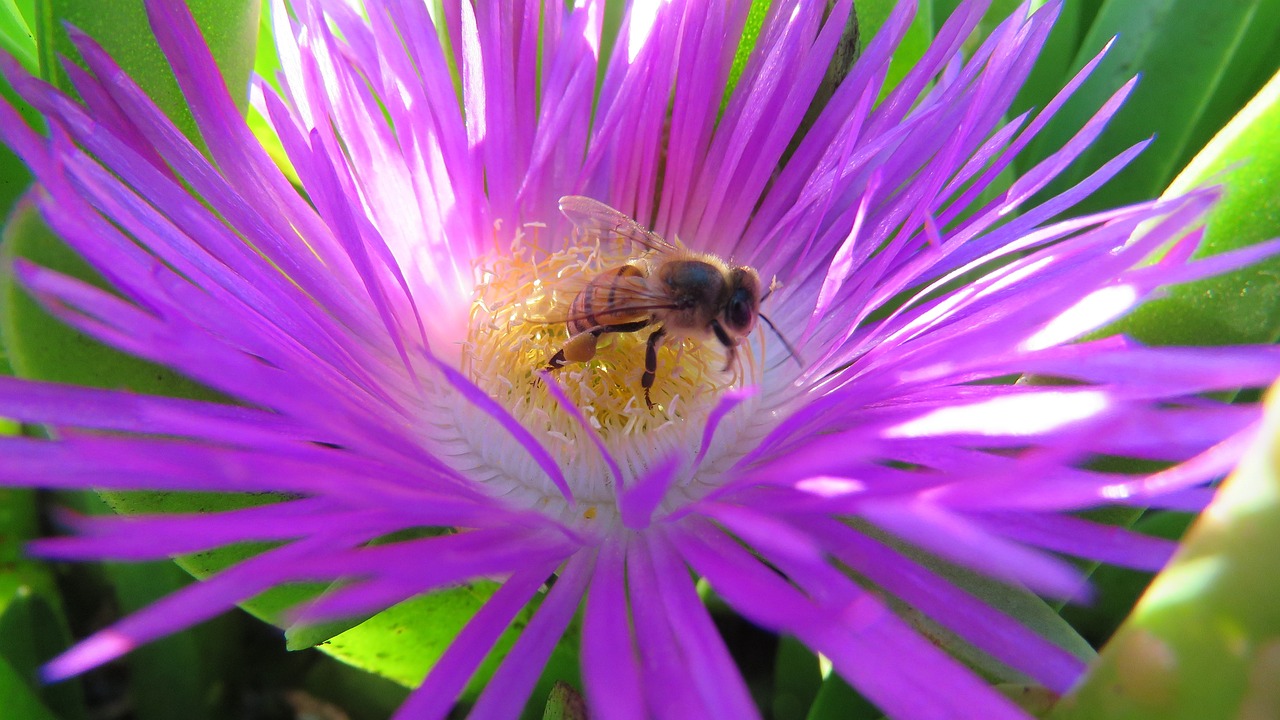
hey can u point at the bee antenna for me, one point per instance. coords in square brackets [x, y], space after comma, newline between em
[791, 350]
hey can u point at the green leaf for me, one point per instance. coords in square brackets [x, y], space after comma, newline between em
[756, 16]
[1049, 73]
[21, 701]
[797, 675]
[1256, 58]
[18, 38]
[837, 700]
[866, 20]
[230, 27]
[180, 676]
[1018, 603]
[1035, 700]
[1183, 50]
[33, 627]
[362, 695]
[872, 15]
[996, 13]
[266, 65]
[1204, 642]
[17, 34]
[1118, 589]
[38, 346]
[404, 642]
[41, 347]
[1244, 306]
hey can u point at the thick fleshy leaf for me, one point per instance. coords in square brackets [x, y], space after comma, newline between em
[230, 27]
[1243, 306]
[417, 645]
[17, 37]
[401, 646]
[1117, 589]
[20, 699]
[14, 179]
[39, 346]
[17, 31]
[363, 695]
[997, 11]
[1050, 71]
[42, 348]
[872, 15]
[1255, 60]
[838, 701]
[1184, 51]
[45, 349]
[32, 625]
[177, 677]
[797, 680]
[266, 65]
[1021, 604]
[404, 642]
[1203, 640]
[750, 32]
[180, 676]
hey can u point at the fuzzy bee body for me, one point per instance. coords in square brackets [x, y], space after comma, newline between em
[600, 302]
[686, 294]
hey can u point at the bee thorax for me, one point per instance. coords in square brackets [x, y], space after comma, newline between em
[698, 290]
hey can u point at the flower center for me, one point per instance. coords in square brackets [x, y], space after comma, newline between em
[520, 320]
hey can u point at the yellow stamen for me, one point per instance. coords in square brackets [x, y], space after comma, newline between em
[518, 322]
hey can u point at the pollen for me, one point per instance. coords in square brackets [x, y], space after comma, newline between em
[518, 323]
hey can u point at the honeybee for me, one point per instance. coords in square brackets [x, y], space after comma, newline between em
[685, 294]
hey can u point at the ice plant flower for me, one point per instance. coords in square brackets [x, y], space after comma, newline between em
[384, 334]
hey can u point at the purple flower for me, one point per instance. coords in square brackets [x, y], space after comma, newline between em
[384, 337]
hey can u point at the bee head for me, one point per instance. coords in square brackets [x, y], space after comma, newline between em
[744, 301]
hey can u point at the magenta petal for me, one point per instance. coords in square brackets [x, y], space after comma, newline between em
[921, 682]
[196, 603]
[637, 504]
[977, 622]
[611, 673]
[955, 539]
[515, 677]
[435, 697]
[1066, 534]
[518, 431]
[714, 673]
[429, 144]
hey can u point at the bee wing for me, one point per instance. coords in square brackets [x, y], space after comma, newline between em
[620, 299]
[593, 217]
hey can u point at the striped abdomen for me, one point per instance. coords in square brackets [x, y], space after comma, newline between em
[609, 299]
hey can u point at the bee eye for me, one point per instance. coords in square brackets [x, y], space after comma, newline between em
[740, 314]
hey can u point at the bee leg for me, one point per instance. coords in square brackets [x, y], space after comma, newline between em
[582, 347]
[557, 361]
[579, 349]
[651, 363]
[731, 357]
[731, 347]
